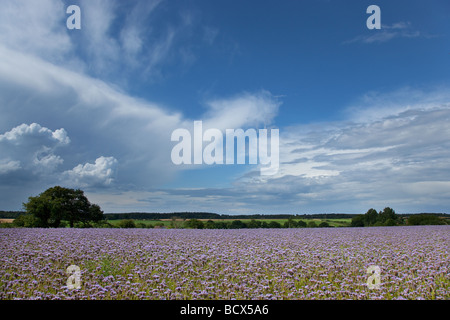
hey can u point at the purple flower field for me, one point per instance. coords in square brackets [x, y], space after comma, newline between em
[319, 263]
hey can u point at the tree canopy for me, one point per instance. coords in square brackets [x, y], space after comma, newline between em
[425, 219]
[387, 217]
[58, 204]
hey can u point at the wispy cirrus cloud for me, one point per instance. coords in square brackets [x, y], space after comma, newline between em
[247, 109]
[36, 26]
[110, 45]
[134, 46]
[388, 33]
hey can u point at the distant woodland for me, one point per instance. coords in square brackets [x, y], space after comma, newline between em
[357, 219]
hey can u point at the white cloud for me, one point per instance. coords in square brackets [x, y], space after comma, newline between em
[101, 47]
[100, 173]
[389, 32]
[35, 26]
[7, 166]
[61, 136]
[242, 111]
[21, 133]
[135, 29]
[373, 105]
[46, 161]
[31, 148]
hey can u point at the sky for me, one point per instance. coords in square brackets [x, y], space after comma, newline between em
[362, 113]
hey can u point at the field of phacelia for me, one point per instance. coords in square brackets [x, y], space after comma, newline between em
[319, 263]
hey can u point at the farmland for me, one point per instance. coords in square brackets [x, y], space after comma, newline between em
[294, 263]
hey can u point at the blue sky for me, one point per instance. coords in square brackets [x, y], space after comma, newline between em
[362, 114]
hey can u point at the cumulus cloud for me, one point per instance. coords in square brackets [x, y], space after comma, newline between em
[46, 161]
[30, 152]
[100, 173]
[22, 133]
[32, 148]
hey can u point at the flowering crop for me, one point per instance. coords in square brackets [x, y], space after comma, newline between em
[328, 263]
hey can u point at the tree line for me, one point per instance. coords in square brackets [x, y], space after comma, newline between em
[216, 216]
[234, 224]
[388, 217]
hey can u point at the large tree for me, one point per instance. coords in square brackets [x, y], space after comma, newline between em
[371, 217]
[58, 203]
[388, 216]
[358, 220]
